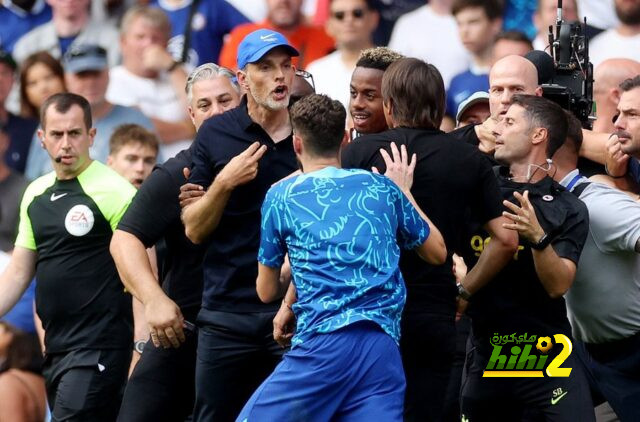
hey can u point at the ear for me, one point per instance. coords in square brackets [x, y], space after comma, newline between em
[242, 80]
[330, 27]
[614, 95]
[191, 115]
[539, 135]
[538, 91]
[297, 144]
[109, 160]
[374, 18]
[345, 139]
[41, 137]
[496, 26]
[387, 108]
[92, 135]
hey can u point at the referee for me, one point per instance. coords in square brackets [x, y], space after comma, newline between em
[66, 221]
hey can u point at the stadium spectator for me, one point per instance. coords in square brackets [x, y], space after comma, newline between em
[204, 29]
[351, 23]
[430, 33]
[607, 78]
[86, 73]
[151, 80]
[284, 16]
[133, 152]
[18, 18]
[41, 76]
[546, 15]
[12, 186]
[508, 43]
[622, 41]
[479, 22]
[70, 25]
[19, 129]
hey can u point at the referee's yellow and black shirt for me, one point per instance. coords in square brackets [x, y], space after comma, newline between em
[69, 223]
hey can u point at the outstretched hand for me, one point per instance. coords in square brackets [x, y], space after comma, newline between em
[399, 168]
[523, 218]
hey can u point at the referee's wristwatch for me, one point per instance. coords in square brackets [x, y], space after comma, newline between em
[544, 241]
[138, 346]
[462, 292]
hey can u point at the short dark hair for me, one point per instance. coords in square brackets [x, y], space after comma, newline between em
[574, 132]
[516, 36]
[416, 91]
[379, 58]
[541, 112]
[631, 83]
[492, 8]
[23, 352]
[371, 4]
[62, 102]
[128, 134]
[320, 122]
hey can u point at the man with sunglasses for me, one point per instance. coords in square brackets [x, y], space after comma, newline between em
[351, 23]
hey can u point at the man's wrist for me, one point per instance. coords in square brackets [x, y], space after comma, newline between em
[543, 242]
[463, 293]
[606, 169]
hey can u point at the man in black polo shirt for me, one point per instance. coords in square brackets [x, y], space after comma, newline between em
[526, 296]
[236, 350]
[452, 181]
[162, 385]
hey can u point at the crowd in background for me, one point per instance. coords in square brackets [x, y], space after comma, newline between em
[131, 60]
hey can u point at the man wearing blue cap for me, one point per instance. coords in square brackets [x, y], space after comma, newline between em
[236, 350]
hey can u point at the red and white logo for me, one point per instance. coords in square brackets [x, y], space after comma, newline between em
[79, 220]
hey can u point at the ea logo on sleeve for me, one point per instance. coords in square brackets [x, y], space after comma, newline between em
[79, 220]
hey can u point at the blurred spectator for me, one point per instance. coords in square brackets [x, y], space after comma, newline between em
[70, 25]
[479, 21]
[546, 15]
[12, 186]
[133, 151]
[430, 33]
[474, 110]
[41, 76]
[18, 129]
[207, 26]
[508, 43]
[87, 74]
[22, 391]
[351, 23]
[600, 13]
[518, 15]
[151, 80]
[284, 16]
[622, 41]
[19, 17]
[606, 90]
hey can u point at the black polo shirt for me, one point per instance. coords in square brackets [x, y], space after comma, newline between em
[452, 181]
[231, 260]
[515, 300]
[182, 270]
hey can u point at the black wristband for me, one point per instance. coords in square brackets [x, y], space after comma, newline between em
[462, 292]
[544, 241]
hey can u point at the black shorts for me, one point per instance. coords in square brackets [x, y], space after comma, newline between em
[162, 385]
[86, 385]
[511, 399]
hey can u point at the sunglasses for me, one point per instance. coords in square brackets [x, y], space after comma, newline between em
[355, 14]
[306, 76]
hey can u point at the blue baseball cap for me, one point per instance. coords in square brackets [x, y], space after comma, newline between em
[258, 43]
[85, 57]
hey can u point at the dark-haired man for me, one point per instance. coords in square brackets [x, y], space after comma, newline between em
[452, 180]
[344, 253]
[66, 221]
[526, 295]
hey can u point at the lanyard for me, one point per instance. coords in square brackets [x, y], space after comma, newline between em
[573, 182]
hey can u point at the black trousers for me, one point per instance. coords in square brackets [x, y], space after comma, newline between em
[427, 345]
[86, 385]
[162, 385]
[236, 352]
[513, 399]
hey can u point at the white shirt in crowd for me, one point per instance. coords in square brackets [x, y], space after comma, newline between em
[156, 98]
[610, 44]
[433, 38]
[332, 77]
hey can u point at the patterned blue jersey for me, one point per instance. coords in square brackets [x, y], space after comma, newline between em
[341, 229]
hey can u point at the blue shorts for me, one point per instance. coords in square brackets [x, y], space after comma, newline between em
[353, 374]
